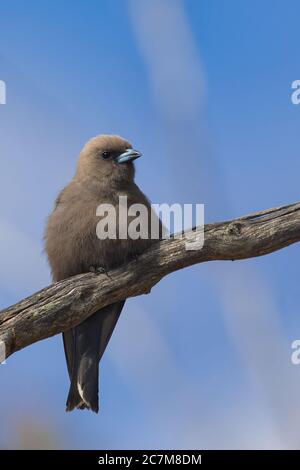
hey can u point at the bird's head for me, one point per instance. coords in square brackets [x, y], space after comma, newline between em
[108, 157]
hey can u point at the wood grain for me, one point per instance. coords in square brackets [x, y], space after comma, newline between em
[67, 303]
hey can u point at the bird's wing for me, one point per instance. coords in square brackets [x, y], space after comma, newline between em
[69, 344]
[110, 315]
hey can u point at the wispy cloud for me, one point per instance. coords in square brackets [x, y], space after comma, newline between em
[175, 71]
[254, 324]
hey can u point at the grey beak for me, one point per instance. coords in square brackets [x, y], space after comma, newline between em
[128, 156]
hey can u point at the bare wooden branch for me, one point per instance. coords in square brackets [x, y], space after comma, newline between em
[67, 303]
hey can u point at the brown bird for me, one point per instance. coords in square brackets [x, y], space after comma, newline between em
[105, 171]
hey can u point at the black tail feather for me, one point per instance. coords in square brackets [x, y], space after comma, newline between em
[84, 347]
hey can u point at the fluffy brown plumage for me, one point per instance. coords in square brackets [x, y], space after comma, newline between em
[73, 248]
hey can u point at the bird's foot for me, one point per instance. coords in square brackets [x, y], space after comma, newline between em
[99, 270]
[134, 257]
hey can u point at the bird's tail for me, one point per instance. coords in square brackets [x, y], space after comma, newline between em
[84, 347]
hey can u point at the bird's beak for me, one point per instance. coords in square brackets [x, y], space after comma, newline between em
[128, 156]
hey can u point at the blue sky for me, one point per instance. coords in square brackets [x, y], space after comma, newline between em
[203, 89]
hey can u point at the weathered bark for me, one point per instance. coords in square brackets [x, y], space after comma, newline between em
[67, 303]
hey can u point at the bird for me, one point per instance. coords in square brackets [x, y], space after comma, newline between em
[105, 172]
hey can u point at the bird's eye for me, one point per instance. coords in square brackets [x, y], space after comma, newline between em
[105, 155]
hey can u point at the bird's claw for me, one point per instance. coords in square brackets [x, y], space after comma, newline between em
[99, 270]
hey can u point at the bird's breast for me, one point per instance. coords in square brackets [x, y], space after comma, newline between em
[81, 235]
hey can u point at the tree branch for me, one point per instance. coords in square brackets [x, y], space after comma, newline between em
[67, 303]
